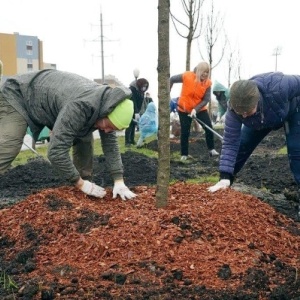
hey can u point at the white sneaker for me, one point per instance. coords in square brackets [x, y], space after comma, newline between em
[213, 152]
[183, 158]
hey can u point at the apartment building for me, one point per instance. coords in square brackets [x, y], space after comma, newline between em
[21, 54]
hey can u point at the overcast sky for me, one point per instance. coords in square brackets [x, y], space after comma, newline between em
[70, 31]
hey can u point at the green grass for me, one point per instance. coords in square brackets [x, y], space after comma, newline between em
[7, 282]
[41, 149]
[23, 156]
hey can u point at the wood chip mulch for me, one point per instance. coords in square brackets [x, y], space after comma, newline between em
[196, 236]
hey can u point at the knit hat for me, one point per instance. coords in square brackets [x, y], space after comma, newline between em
[121, 116]
[244, 96]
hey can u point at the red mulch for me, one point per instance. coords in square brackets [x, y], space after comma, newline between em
[85, 240]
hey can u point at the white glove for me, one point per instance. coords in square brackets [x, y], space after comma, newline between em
[121, 189]
[218, 119]
[193, 113]
[92, 189]
[222, 184]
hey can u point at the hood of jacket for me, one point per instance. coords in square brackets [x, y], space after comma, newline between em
[219, 87]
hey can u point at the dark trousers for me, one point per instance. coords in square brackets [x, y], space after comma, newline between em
[130, 133]
[250, 138]
[185, 123]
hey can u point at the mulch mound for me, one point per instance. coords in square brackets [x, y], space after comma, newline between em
[62, 244]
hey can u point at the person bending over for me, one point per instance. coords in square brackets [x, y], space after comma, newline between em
[72, 107]
[257, 106]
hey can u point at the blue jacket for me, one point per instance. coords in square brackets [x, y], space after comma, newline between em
[148, 123]
[173, 104]
[279, 98]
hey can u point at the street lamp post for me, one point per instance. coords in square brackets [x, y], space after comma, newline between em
[136, 73]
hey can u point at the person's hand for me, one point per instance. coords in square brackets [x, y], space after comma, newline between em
[122, 190]
[92, 189]
[193, 113]
[222, 184]
[218, 119]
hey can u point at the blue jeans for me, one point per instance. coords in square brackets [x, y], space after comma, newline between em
[250, 138]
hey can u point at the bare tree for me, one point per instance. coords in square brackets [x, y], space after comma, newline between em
[191, 26]
[234, 64]
[214, 37]
[163, 70]
[213, 32]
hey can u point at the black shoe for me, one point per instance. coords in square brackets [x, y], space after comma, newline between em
[133, 143]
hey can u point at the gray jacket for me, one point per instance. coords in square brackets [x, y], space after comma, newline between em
[69, 105]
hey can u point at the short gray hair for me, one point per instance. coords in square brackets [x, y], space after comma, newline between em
[244, 96]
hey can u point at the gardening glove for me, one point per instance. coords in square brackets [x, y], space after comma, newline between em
[92, 189]
[122, 190]
[193, 113]
[222, 184]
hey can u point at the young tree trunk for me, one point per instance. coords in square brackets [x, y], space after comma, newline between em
[163, 70]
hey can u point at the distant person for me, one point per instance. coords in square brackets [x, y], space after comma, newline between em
[222, 96]
[145, 103]
[138, 88]
[175, 128]
[148, 124]
[73, 107]
[257, 106]
[193, 102]
[173, 105]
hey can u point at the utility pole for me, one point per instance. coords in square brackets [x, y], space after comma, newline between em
[102, 47]
[101, 39]
[276, 52]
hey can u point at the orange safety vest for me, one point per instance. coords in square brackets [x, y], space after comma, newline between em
[192, 92]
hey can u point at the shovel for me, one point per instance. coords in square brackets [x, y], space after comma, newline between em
[207, 127]
[213, 131]
[30, 148]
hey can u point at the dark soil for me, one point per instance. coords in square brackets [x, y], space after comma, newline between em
[266, 176]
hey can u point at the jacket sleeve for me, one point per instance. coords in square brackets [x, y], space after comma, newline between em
[230, 144]
[175, 79]
[205, 100]
[70, 121]
[110, 147]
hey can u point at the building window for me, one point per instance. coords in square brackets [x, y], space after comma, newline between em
[29, 67]
[28, 48]
[28, 43]
[29, 52]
